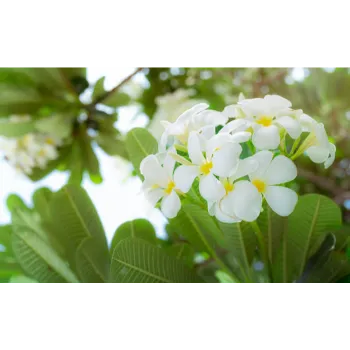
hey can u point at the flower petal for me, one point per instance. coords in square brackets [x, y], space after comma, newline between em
[245, 167]
[194, 149]
[226, 159]
[318, 154]
[331, 157]
[291, 125]
[264, 159]
[153, 196]
[223, 217]
[266, 137]
[209, 117]
[171, 205]
[236, 126]
[281, 170]
[210, 188]
[276, 103]
[153, 172]
[187, 115]
[216, 142]
[282, 200]
[241, 136]
[184, 176]
[169, 163]
[244, 201]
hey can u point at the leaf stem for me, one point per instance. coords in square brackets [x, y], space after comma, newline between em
[110, 92]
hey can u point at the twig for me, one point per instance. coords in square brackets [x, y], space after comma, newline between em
[108, 93]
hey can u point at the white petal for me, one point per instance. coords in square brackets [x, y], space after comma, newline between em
[207, 132]
[307, 122]
[211, 188]
[230, 111]
[281, 170]
[254, 107]
[318, 154]
[266, 137]
[223, 217]
[291, 125]
[241, 136]
[209, 117]
[276, 103]
[245, 167]
[264, 159]
[153, 196]
[331, 158]
[169, 163]
[244, 201]
[187, 115]
[171, 205]
[282, 200]
[184, 176]
[236, 125]
[153, 172]
[226, 159]
[194, 149]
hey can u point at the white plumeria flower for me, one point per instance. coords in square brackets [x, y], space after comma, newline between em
[267, 116]
[233, 187]
[221, 158]
[159, 183]
[194, 119]
[246, 201]
[44, 154]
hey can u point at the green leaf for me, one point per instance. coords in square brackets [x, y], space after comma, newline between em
[139, 228]
[198, 227]
[182, 251]
[99, 89]
[112, 145]
[91, 262]
[75, 218]
[223, 277]
[313, 218]
[14, 201]
[57, 126]
[41, 200]
[272, 226]
[116, 99]
[139, 144]
[76, 165]
[241, 243]
[11, 129]
[35, 254]
[22, 279]
[136, 261]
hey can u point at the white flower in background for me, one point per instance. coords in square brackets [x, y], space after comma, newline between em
[246, 201]
[221, 158]
[233, 189]
[268, 116]
[198, 118]
[20, 118]
[160, 184]
[169, 107]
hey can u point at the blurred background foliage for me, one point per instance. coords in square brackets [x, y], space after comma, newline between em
[85, 115]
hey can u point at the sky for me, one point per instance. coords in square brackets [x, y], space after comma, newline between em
[118, 198]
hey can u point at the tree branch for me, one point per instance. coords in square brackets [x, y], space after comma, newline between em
[108, 93]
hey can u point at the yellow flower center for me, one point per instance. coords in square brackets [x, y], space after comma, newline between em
[50, 141]
[260, 185]
[42, 153]
[264, 120]
[228, 186]
[250, 129]
[171, 186]
[206, 167]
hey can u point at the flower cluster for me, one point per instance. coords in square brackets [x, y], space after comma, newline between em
[209, 146]
[31, 150]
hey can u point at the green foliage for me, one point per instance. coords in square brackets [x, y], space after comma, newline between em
[10, 129]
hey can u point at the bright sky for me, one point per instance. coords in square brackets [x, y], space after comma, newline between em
[118, 198]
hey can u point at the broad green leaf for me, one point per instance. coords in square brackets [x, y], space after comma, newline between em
[182, 251]
[74, 218]
[11, 129]
[198, 227]
[98, 89]
[116, 99]
[139, 228]
[313, 218]
[342, 237]
[271, 226]
[91, 262]
[57, 126]
[112, 145]
[41, 200]
[22, 279]
[136, 261]
[74, 72]
[223, 277]
[76, 165]
[139, 144]
[14, 201]
[241, 243]
[35, 254]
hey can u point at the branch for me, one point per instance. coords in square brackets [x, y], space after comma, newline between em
[108, 93]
